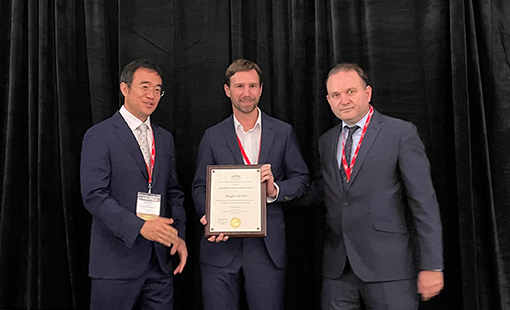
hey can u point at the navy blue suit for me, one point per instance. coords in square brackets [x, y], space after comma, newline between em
[385, 220]
[113, 171]
[279, 147]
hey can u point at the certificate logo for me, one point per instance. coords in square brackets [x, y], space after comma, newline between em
[235, 177]
[235, 222]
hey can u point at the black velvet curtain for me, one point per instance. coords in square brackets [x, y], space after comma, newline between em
[443, 65]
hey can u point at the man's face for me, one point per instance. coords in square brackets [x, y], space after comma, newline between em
[244, 91]
[348, 97]
[142, 97]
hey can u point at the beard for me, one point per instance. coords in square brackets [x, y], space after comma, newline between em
[247, 109]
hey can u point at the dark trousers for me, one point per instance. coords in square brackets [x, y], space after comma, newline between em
[348, 292]
[253, 267]
[152, 290]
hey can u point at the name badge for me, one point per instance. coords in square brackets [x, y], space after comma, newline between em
[148, 206]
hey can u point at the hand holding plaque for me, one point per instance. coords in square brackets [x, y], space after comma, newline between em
[236, 201]
[266, 175]
[219, 238]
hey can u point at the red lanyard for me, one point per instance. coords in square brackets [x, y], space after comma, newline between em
[348, 169]
[153, 156]
[246, 159]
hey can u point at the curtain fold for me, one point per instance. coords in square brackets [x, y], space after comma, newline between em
[443, 65]
[496, 48]
[12, 177]
[102, 56]
[478, 45]
[41, 254]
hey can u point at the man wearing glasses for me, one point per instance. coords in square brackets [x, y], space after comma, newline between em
[129, 185]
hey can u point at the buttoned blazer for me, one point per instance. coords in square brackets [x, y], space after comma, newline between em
[113, 171]
[280, 148]
[386, 218]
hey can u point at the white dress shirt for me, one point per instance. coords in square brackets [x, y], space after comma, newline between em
[134, 122]
[250, 141]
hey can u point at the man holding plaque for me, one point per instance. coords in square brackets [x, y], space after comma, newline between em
[383, 245]
[129, 185]
[248, 137]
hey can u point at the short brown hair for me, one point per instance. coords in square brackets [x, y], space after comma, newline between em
[349, 66]
[241, 65]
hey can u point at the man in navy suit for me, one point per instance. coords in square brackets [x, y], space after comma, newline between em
[249, 136]
[131, 190]
[383, 246]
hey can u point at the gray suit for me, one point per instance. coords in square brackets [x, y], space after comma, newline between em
[386, 219]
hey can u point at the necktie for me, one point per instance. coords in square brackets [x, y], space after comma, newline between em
[141, 137]
[348, 148]
[348, 143]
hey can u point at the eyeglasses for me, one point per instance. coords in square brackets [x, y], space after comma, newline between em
[155, 90]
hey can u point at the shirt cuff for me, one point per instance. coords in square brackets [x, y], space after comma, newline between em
[269, 199]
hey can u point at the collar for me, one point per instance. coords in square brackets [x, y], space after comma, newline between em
[239, 127]
[131, 120]
[360, 123]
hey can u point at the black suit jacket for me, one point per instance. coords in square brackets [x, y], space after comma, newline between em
[280, 148]
[113, 171]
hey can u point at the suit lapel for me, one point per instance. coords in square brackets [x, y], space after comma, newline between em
[332, 152]
[372, 131]
[267, 138]
[125, 135]
[229, 133]
[158, 145]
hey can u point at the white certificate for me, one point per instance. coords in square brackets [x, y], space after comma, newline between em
[236, 201]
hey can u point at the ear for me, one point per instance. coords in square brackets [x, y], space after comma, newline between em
[227, 90]
[329, 101]
[368, 92]
[124, 88]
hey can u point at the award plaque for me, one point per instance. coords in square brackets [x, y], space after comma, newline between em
[236, 201]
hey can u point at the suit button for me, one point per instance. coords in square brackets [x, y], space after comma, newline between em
[345, 204]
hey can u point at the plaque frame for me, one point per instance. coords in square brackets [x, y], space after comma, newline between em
[209, 232]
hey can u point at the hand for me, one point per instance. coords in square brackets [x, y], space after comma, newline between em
[216, 239]
[430, 283]
[267, 175]
[159, 230]
[180, 248]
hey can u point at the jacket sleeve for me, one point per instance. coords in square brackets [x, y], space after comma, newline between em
[297, 177]
[415, 172]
